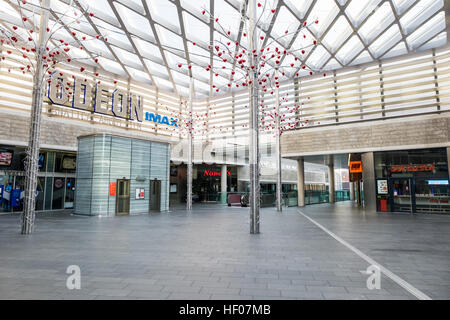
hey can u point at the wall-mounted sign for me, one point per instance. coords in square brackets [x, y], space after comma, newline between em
[382, 187]
[69, 163]
[112, 188]
[156, 118]
[6, 158]
[80, 94]
[140, 193]
[59, 183]
[355, 167]
[208, 173]
[412, 168]
[438, 182]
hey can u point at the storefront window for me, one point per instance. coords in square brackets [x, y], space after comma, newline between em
[58, 193]
[413, 181]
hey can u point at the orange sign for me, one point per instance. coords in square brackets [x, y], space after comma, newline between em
[412, 168]
[112, 188]
[355, 167]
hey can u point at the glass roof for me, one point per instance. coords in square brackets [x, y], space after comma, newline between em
[149, 39]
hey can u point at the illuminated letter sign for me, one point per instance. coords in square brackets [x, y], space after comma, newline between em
[119, 103]
[82, 98]
[57, 92]
[156, 118]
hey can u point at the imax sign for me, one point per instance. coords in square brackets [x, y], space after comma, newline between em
[98, 99]
[156, 118]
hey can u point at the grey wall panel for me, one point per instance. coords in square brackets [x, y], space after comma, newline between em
[100, 195]
[83, 193]
[102, 157]
[84, 158]
[120, 158]
[106, 159]
[140, 206]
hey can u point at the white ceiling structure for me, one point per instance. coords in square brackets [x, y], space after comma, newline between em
[148, 39]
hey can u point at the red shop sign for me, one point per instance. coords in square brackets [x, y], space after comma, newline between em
[208, 173]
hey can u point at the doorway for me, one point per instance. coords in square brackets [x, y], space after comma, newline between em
[402, 194]
[155, 195]
[123, 198]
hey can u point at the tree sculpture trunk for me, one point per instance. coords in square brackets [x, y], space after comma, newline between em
[32, 159]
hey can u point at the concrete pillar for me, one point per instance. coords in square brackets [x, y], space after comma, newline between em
[223, 183]
[368, 176]
[331, 178]
[301, 182]
[352, 191]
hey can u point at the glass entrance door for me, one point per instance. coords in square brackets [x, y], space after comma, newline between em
[402, 195]
[123, 198]
[155, 195]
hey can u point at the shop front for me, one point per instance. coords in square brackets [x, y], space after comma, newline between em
[206, 182]
[414, 181]
[56, 180]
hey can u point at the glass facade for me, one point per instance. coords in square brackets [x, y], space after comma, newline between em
[118, 176]
[56, 180]
[412, 181]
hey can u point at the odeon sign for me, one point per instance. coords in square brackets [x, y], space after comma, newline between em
[99, 99]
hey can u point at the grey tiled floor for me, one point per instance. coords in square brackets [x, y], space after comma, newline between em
[209, 254]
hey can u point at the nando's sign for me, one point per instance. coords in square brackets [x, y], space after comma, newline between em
[82, 95]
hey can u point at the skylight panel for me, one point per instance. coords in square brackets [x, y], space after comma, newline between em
[111, 66]
[338, 34]
[285, 21]
[169, 39]
[299, 7]
[402, 5]
[164, 12]
[324, 11]
[200, 4]
[427, 31]
[350, 50]
[195, 29]
[358, 10]
[100, 8]
[229, 18]
[134, 22]
[438, 41]
[138, 75]
[318, 58]
[387, 40]
[264, 14]
[157, 69]
[419, 14]
[377, 23]
[332, 65]
[399, 49]
[147, 49]
[364, 57]
[128, 58]
[133, 4]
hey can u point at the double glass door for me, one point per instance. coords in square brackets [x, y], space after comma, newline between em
[402, 194]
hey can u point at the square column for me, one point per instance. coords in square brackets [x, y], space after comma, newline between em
[223, 184]
[301, 181]
[331, 178]
[368, 176]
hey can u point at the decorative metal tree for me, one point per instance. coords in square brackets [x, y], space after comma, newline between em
[259, 67]
[38, 51]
